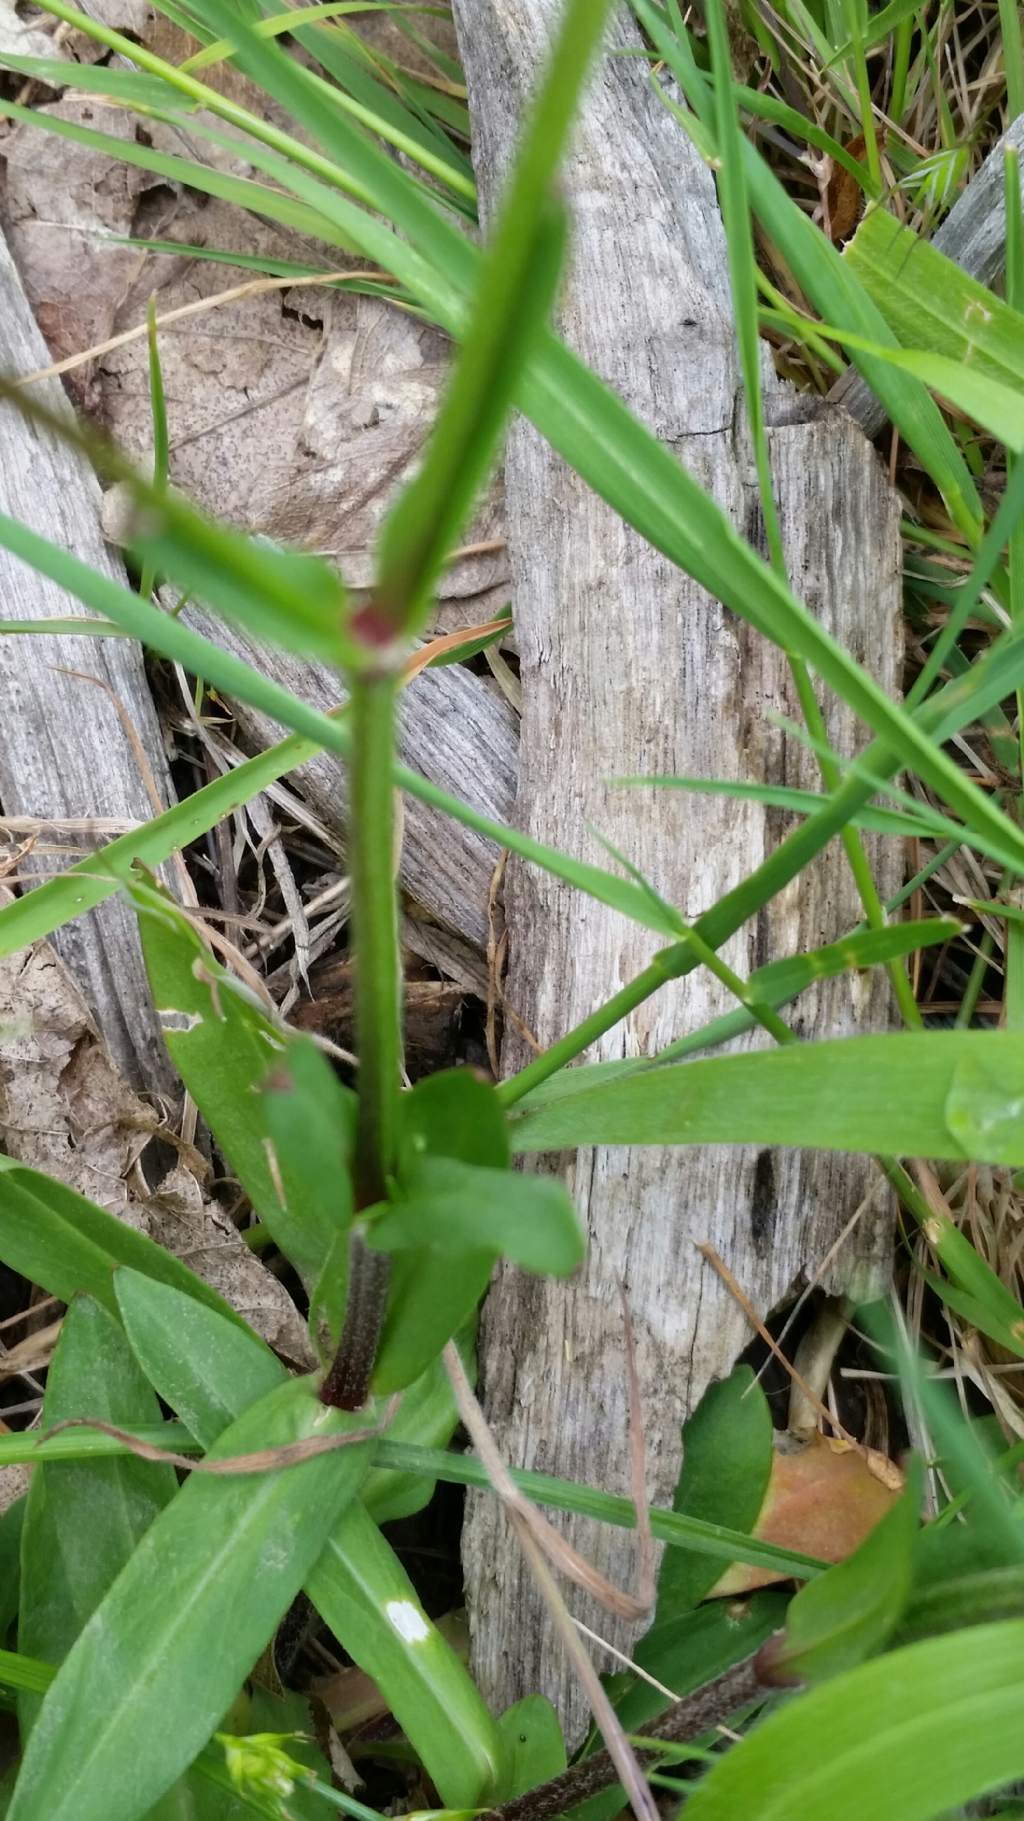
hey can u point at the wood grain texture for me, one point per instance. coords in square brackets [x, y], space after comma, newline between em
[974, 235]
[66, 750]
[454, 727]
[627, 666]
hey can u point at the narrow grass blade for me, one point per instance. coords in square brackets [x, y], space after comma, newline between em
[930, 1094]
[173, 639]
[431, 1463]
[97, 877]
[514, 295]
[257, 198]
[834, 291]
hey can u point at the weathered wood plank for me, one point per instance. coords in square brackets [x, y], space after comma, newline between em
[69, 1097]
[66, 750]
[455, 727]
[628, 666]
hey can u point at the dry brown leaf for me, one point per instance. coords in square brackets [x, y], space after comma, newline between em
[844, 198]
[822, 1499]
[25, 37]
[297, 413]
[64, 203]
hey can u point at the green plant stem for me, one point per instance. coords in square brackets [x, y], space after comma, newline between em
[672, 1527]
[377, 1020]
[670, 964]
[1013, 56]
[900, 66]
[378, 1017]
[853, 846]
[855, 23]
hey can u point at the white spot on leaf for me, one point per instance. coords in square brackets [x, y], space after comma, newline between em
[408, 1621]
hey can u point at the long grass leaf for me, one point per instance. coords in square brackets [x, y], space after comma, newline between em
[942, 1094]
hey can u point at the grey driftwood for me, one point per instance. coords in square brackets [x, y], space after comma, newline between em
[68, 1101]
[455, 727]
[66, 750]
[627, 666]
[974, 234]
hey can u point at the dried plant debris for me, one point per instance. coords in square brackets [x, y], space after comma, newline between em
[64, 206]
[65, 1109]
[296, 411]
[24, 33]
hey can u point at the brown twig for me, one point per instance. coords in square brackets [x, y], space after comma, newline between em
[253, 287]
[696, 1713]
[736, 1290]
[265, 1460]
[541, 1543]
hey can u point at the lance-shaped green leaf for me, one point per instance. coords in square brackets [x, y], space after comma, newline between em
[929, 302]
[223, 1045]
[206, 1368]
[953, 1094]
[309, 1119]
[727, 1458]
[908, 1737]
[432, 1294]
[60, 1240]
[273, 1103]
[515, 291]
[165, 1653]
[455, 1113]
[84, 1518]
[358, 1585]
[534, 1745]
[209, 1370]
[452, 1208]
